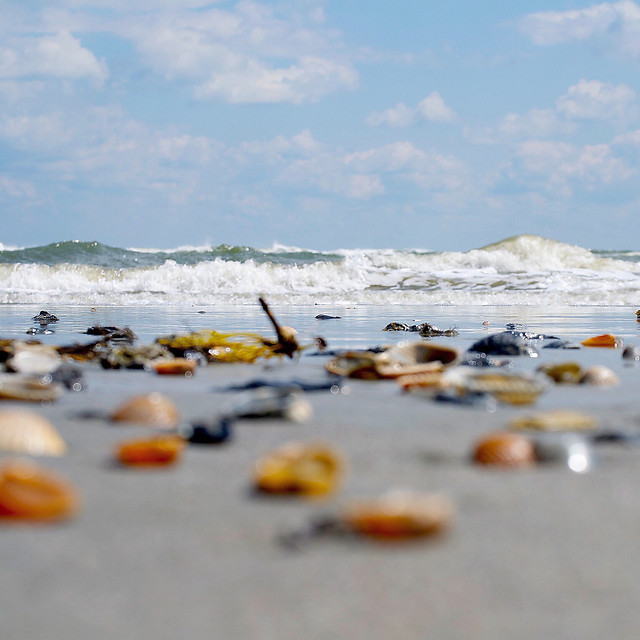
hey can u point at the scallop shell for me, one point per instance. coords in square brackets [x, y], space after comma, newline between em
[29, 389]
[33, 359]
[556, 421]
[153, 409]
[605, 340]
[599, 375]
[298, 468]
[400, 515]
[504, 449]
[28, 432]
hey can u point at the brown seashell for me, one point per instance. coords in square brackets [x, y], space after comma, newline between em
[29, 492]
[28, 389]
[428, 380]
[150, 452]
[504, 449]
[175, 367]
[354, 364]
[555, 421]
[599, 375]
[297, 468]
[604, 340]
[400, 515]
[152, 409]
[563, 373]
[27, 432]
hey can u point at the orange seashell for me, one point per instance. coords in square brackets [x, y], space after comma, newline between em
[400, 515]
[152, 409]
[162, 450]
[504, 449]
[307, 469]
[28, 492]
[175, 367]
[604, 340]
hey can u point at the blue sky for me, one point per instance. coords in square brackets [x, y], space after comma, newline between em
[320, 124]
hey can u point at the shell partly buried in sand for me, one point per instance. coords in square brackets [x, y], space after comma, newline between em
[504, 449]
[152, 409]
[30, 493]
[298, 468]
[558, 420]
[27, 432]
[400, 515]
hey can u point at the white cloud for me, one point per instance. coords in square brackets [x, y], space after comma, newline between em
[17, 188]
[59, 56]
[432, 109]
[593, 100]
[614, 26]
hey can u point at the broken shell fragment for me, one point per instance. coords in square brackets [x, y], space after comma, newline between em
[599, 375]
[148, 452]
[27, 432]
[556, 421]
[605, 340]
[29, 492]
[400, 515]
[504, 449]
[297, 468]
[29, 388]
[153, 409]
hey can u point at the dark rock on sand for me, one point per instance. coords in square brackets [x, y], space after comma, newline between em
[505, 343]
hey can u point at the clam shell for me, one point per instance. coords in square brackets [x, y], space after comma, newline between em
[29, 389]
[400, 515]
[153, 409]
[504, 449]
[299, 468]
[27, 432]
[414, 353]
[556, 421]
[599, 375]
[33, 359]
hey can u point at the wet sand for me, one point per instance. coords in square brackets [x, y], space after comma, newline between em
[191, 551]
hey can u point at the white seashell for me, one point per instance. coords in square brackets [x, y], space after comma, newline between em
[33, 359]
[599, 375]
[28, 388]
[27, 432]
[151, 409]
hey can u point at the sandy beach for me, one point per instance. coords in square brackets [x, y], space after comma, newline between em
[192, 550]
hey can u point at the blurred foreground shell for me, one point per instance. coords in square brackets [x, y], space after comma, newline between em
[605, 340]
[175, 366]
[27, 432]
[517, 389]
[414, 357]
[148, 452]
[400, 515]
[504, 449]
[555, 421]
[151, 409]
[28, 388]
[29, 492]
[563, 373]
[297, 468]
[599, 375]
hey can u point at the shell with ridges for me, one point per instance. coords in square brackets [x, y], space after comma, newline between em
[599, 375]
[27, 432]
[152, 409]
[504, 449]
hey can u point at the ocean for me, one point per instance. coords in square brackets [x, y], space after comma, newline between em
[546, 285]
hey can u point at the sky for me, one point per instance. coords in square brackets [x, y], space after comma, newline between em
[321, 124]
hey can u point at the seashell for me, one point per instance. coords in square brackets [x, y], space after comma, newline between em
[266, 402]
[518, 389]
[175, 367]
[354, 364]
[556, 421]
[29, 492]
[33, 359]
[149, 452]
[631, 352]
[599, 375]
[563, 373]
[151, 409]
[400, 515]
[414, 357]
[605, 340]
[504, 449]
[29, 389]
[430, 380]
[27, 432]
[306, 469]
[569, 449]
